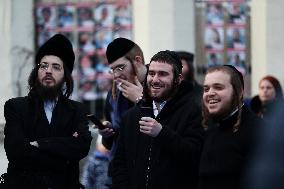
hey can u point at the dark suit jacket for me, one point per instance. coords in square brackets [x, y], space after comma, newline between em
[56, 162]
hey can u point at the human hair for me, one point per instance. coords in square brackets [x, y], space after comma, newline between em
[189, 58]
[276, 85]
[69, 83]
[236, 81]
[135, 51]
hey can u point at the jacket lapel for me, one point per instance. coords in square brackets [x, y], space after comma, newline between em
[61, 115]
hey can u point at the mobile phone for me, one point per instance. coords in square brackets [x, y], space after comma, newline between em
[146, 111]
[96, 121]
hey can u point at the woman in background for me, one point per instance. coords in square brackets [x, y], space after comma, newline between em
[270, 91]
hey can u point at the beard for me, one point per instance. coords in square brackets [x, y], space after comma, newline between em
[164, 95]
[225, 111]
[49, 93]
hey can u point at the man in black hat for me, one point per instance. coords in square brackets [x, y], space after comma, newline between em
[160, 139]
[126, 63]
[46, 133]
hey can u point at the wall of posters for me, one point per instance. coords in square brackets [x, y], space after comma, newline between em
[90, 26]
[225, 30]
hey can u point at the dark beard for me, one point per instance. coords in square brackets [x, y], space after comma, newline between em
[49, 93]
[227, 110]
[167, 94]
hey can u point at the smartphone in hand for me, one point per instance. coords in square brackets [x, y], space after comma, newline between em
[96, 121]
[146, 111]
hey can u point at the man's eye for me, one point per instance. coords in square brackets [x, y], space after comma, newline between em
[43, 66]
[120, 68]
[162, 73]
[219, 88]
[151, 73]
[56, 67]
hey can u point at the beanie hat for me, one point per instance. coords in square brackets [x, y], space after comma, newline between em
[118, 48]
[238, 73]
[276, 85]
[59, 46]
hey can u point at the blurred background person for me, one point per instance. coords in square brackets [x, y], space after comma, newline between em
[270, 92]
[187, 60]
[95, 170]
[266, 168]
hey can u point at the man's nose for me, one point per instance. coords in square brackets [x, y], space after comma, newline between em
[49, 69]
[156, 77]
[211, 92]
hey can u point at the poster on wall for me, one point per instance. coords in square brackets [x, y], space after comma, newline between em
[224, 36]
[224, 30]
[90, 26]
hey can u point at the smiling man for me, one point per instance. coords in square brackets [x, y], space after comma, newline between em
[46, 133]
[230, 130]
[160, 140]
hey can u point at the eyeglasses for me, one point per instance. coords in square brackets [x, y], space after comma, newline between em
[44, 66]
[117, 69]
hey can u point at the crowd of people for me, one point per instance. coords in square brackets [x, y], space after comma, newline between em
[162, 129]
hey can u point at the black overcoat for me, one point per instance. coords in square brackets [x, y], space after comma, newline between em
[172, 156]
[55, 163]
[226, 154]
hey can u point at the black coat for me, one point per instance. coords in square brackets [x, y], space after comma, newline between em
[266, 169]
[56, 162]
[114, 109]
[174, 152]
[226, 154]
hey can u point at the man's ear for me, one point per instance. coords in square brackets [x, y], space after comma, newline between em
[180, 78]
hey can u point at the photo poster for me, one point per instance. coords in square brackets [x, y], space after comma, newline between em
[225, 33]
[90, 26]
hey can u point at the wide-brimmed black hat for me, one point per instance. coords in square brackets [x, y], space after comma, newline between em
[59, 46]
[118, 48]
